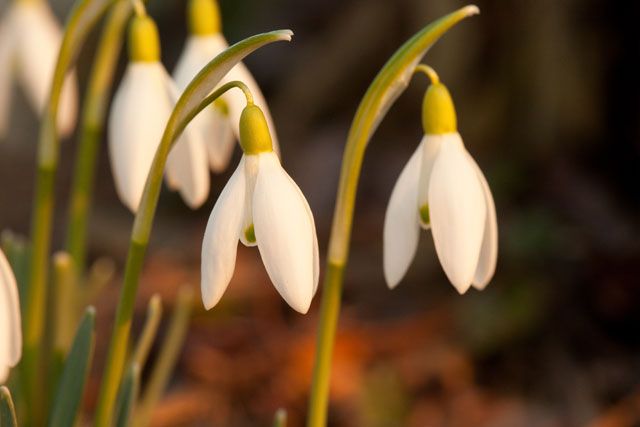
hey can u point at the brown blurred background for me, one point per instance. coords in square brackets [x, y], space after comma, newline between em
[548, 103]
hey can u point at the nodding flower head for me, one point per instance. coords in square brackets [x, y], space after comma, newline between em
[139, 113]
[10, 323]
[442, 188]
[261, 206]
[218, 123]
[30, 38]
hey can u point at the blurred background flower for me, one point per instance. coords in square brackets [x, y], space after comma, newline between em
[548, 103]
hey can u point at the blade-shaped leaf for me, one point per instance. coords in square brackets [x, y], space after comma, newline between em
[71, 387]
[127, 397]
[7, 411]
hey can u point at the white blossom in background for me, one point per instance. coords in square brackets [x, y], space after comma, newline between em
[30, 38]
[218, 123]
[10, 323]
[262, 206]
[442, 188]
[139, 113]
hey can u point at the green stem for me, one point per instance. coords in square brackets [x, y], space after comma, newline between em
[139, 240]
[93, 118]
[82, 18]
[392, 79]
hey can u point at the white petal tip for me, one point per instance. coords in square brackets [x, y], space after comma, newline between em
[480, 286]
[471, 10]
[288, 33]
[462, 288]
[301, 307]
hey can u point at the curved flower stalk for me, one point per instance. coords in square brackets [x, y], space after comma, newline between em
[10, 323]
[218, 125]
[30, 39]
[141, 107]
[383, 91]
[261, 206]
[194, 99]
[442, 188]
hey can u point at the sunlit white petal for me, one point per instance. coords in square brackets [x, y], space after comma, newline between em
[489, 250]
[221, 239]
[187, 168]
[284, 233]
[458, 210]
[430, 150]
[402, 222]
[139, 113]
[10, 323]
[38, 37]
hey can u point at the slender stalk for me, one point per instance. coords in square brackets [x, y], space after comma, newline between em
[392, 79]
[139, 240]
[92, 123]
[82, 18]
[167, 358]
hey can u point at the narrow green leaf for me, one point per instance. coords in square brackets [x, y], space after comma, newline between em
[71, 387]
[126, 400]
[7, 411]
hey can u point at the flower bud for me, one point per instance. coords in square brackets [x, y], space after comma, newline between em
[254, 132]
[144, 41]
[203, 17]
[438, 112]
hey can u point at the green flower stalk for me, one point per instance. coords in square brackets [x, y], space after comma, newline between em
[83, 17]
[383, 91]
[92, 123]
[195, 97]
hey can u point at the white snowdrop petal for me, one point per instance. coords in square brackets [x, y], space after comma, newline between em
[284, 232]
[10, 322]
[38, 37]
[430, 149]
[139, 113]
[489, 250]
[458, 211]
[220, 242]
[402, 222]
[187, 169]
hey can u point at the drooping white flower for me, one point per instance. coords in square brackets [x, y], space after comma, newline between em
[10, 323]
[140, 110]
[218, 124]
[442, 188]
[261, 205]
[30, 38]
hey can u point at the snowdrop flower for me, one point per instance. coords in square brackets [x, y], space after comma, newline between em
[30, 38]
[442, 188]
[140, 110]
[261, 205]
[10, 323]
[218, 124]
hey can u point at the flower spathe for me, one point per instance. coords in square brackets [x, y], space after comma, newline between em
[442, 188]
[30, 38]
[262, 206]
[10, 323]
[140, 110]
[218, 123]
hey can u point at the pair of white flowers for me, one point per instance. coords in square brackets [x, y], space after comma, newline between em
[144, 101]
[260, 206]
[10, 323]
[30, 38]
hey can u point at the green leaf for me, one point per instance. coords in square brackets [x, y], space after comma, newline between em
[71, 387]
[127, 397]
[7, 411]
